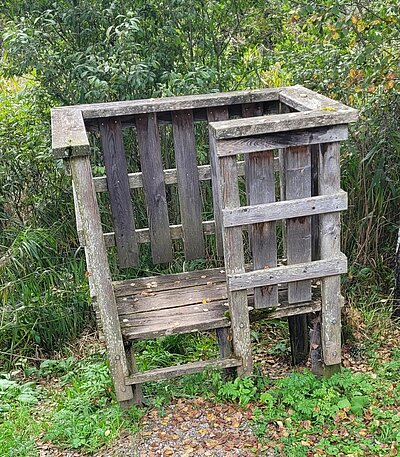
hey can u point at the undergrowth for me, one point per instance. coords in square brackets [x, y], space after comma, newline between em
[350, 413]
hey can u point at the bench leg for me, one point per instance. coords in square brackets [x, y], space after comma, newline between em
[225, 350]
[137, 388]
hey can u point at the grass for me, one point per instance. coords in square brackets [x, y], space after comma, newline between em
[70, 404]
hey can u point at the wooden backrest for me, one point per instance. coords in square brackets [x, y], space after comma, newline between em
[154, 178]
[164, 181]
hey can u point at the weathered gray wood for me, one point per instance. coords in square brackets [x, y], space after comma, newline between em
[329, 182]
[153, 105]
[302, 99]
[154, 187]
[298, 230]
[118, 188]
[236, 128]
[290, 273]
[234, 263]
[157, 331]
[269, 142]
[169, 282]
[136, 182]
[179, 370]
[68, 133]
[216, 114]
[285, 310]
[153, 300]
[260, 181]
[188, 184]
[101, 276]
[82, 242]
[285, 209]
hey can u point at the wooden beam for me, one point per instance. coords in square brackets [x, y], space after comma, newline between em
[285, 209]
[100, 273]
[236, 128]
[272, 141]
[329, 182]
[289, 273]
[153, 105]
[179, 370]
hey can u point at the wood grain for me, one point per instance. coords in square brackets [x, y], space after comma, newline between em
[234, 263]
[286, 209]
[329, 182]
[260, 186]
[269, 142]
[188, 184]
[236, 128]
[120, 196]
[298, 229]
[154, 187]
[288, 273]
[179, 370]
[100, 273]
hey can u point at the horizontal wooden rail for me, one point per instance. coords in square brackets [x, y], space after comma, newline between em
[288, 273]
[143, 235]
[179, 370]
[272, 141]
[153, 105]
[286, 209]
[170, 176]
[236, 128]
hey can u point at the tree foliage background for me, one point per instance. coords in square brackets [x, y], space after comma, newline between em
[78, 51]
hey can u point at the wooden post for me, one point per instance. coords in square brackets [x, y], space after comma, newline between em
[234, 263]
[224, 338]
[329, 183]
[101, 276]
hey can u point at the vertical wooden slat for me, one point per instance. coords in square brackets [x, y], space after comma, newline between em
[298, 230]
[234, 263]
[100, 273]
[329, 182]
[260, 185]
[215, 115]
[297, 168]
[188, 183]
[118, 188]
[154, 187]
[315, 151]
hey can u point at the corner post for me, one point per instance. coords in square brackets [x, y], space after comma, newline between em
[329, 233]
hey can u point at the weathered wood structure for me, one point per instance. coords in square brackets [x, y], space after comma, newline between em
[273, 164]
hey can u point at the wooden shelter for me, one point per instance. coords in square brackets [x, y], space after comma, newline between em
[272, 167]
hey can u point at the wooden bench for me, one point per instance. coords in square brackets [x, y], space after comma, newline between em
[269, 159]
